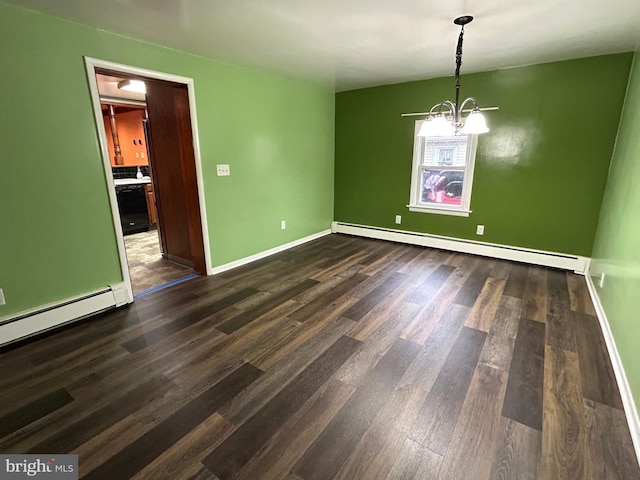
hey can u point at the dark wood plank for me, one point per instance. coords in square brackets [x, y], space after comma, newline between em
[579, 297]
[336, 442]
[329, 318]
[160, 333]
[535, 295]
[411, 252]
[564, 450]
[476, 432]
[523, 398]
[517, 454]
[560, 328]
[274, 300]
[415, 461]
[385, 440]
[185, 454]
[431, 285]
[283, 449]
[77, 432]
[344, 287]
[200, 472]
[424, 323]
[434, 425]
[226, 460]
[469, 292]
[498, 347]
[375, 296]
[107, 443]
[517, 280]
[483, 311]
[32, 411]
[611, 454]
[596, 372]
[501, 269]
[253, 398]
[389, 262]
[387, 315]
[148, 447]
[377, 340]
[425, 369]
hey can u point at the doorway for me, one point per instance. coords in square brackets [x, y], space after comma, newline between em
[152, 165]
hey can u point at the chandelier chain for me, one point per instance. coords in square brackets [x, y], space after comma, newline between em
[458, 65]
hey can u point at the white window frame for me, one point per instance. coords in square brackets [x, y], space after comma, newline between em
[415, 202]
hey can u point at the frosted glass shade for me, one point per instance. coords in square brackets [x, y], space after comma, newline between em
[475, 124]
[439, 126]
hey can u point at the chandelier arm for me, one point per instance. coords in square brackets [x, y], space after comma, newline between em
[470, 99]
[452, 107]
[438, 107]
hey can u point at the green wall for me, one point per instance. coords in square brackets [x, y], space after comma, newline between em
[56, 233]
[616, 251]
[540, 173]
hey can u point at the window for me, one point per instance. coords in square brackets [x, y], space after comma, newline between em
[442, 174]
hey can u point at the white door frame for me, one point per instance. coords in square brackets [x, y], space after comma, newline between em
[91, 65]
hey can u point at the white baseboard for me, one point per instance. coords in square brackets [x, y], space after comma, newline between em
[46, 317]
[518, 254]
[630, 409]
[267, 253]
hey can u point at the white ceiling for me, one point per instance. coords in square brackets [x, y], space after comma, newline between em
[357, 43]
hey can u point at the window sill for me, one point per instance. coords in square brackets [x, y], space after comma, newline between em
[458, 212]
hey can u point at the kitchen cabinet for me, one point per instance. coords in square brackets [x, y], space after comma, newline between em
[151, 204]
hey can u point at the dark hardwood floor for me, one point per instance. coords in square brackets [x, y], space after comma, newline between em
[344, 358]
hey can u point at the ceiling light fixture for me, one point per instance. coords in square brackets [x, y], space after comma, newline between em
[137, 86]
[445, 118]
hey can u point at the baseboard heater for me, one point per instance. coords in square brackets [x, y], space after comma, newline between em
[33, 322]
[536, 257]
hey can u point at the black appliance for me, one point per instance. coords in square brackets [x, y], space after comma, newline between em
[132, 204]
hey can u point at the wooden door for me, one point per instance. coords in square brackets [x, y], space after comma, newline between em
[174, 171]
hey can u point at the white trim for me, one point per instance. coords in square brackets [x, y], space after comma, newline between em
[91, 65]
[30, 322]
[267, 253]
[440, 211]
[630, 409]
[106, 164]
[518, 254]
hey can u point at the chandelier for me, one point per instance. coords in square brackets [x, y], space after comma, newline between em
[445, 118]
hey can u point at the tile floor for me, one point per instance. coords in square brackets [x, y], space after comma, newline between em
[146, 265]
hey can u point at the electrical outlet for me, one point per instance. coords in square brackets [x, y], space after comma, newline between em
[283, 224]
[2, 301]
[137, 155]
[398, 219]
[601, 281]
[480, 230]
[223, 170]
